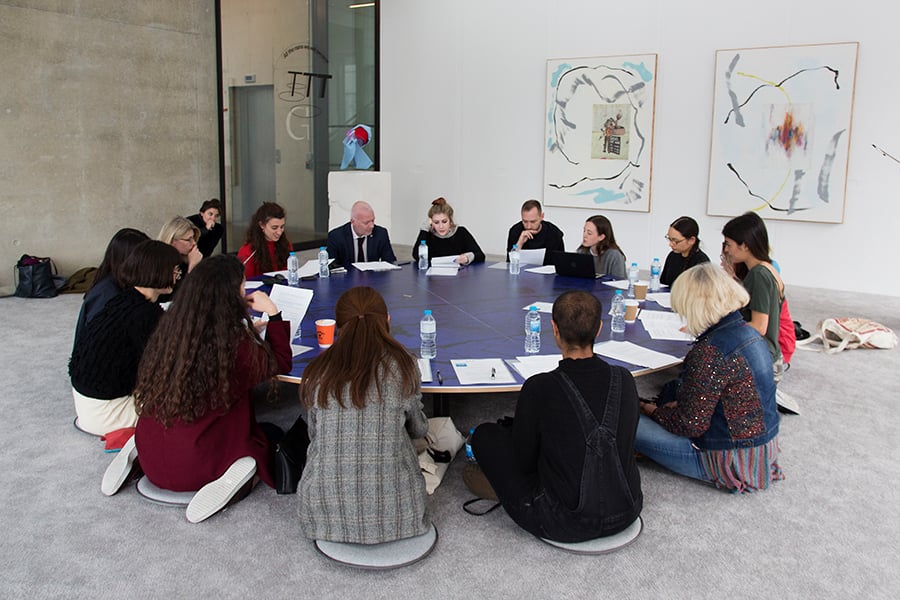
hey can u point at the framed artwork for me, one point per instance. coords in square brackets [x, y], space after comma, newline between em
[600, 132]
[781, 131]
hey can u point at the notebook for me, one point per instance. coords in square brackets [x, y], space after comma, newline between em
[573, 264]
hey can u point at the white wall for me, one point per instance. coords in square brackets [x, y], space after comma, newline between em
[462, 116]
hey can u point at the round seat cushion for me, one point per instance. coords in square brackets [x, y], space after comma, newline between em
[387, 555]
[603, 545]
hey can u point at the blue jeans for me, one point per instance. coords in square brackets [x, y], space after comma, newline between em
[672, 451]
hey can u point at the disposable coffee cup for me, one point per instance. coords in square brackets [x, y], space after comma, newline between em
[631, 309]
[325, 332]
[640, 290]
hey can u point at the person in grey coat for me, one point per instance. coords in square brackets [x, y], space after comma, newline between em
[362, 483]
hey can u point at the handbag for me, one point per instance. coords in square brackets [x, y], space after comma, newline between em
[35, 277]
[840, 333]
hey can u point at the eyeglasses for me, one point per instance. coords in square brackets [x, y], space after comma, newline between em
[674, 241]
[187, 240]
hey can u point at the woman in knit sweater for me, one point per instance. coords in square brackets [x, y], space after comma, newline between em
[105, 357]
[445, 238]
[362, 482]
[718, 421]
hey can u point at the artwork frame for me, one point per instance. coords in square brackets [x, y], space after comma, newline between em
[782, 119]
[599, 132]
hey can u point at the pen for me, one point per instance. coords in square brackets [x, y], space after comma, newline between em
[440, 379]
[493, 372]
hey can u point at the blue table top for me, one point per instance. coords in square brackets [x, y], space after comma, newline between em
[479, 314]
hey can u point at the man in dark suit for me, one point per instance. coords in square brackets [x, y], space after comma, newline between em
[360, 240]
[533, 232]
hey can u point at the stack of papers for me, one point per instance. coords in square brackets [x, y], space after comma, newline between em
[376, 266]
[662, 325]
[445, 266]
[664, 299]
[536, 363]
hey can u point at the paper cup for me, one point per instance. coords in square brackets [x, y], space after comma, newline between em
[640, 290]
[631, 309]
[325, 332]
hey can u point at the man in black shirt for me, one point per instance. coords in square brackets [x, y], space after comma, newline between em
[550, 481]
[533, 232]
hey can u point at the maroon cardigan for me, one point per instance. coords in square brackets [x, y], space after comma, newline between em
[186, 456]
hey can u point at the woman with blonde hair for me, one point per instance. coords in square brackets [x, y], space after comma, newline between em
[598, 240]
[362, 482]
[445, 238]
[183, 236]
[718, 421]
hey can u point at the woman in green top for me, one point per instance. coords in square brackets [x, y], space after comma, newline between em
[745, 255]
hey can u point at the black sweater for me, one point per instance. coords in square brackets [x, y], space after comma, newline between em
[105, 358]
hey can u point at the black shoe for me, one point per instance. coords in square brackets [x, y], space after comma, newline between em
[287, 472]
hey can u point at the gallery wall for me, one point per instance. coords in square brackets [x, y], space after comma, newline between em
[463, 114]
[108, 118]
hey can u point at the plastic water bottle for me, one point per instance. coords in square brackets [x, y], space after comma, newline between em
[428, 335]
[617, 323]
[533, 331]
[514, 265]
[293, 270]
[632, 279]
[470, 456]
[423, 256]
[655, 269]
[324, 271]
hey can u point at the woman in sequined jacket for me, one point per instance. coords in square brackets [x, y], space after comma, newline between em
[718, 421]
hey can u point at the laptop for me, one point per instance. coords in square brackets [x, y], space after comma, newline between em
[573, 264]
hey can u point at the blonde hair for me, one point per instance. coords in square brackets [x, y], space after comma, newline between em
[176, 228]
[439, 206]
[704, 294]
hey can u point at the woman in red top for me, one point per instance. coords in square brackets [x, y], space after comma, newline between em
[193, 392]
[265, 248]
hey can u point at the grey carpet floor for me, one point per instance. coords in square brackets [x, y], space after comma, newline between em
[829, 530]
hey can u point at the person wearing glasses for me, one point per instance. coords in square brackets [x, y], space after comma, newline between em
[104, 363]
[686, 251]
[182, 235]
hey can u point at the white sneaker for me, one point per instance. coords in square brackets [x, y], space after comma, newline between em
[213, 496]
[119, 469]
[787, 403]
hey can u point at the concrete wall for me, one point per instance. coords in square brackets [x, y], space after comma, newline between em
[108, 119]
[463, 112]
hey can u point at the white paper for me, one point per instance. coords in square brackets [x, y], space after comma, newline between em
[663, 325]
[444, 261]
[532, 257]
[252, 285]
[544, 307]
[621, 284]
[425, 368]
[636, 355]
[293, 304]
[533, 364]
[481, 370]
[376, 265]
[282, 273]
[501, 266]
[443, 271]
[664, 299]
[297, 349]
[545, 270]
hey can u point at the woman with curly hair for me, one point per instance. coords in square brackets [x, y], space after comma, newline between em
[362, 483]
[598, 240]
[265, 248]
[194, 387]
[445, 238]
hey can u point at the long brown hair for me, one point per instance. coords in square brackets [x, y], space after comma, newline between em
[362, 348]
[186, 366]
[604, 227]
[257, 239]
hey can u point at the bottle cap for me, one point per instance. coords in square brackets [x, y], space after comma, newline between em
[427, 311]
[530, 308]
[515, 247]
[321, 247]
[422, 243]
[618, 292]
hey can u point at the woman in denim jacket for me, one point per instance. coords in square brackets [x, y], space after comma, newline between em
[718, 421]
